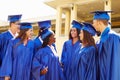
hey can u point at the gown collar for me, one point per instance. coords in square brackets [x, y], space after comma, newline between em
[74, 43]
[14, 36]
[104, 34]
[40, 39]
[53, 49]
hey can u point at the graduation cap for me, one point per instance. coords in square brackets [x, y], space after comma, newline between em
[76, 24]
[46, 33]
[44, 24]
[25, 25]
[13, 18]
[89, 28]
[101, 15]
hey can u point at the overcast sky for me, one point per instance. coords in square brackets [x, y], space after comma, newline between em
[28, 8]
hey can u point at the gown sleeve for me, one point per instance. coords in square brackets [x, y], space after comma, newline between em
[37, 66]
[64, 55]
[6, 68]
[113, 64]
[87, 65]
[0, 50]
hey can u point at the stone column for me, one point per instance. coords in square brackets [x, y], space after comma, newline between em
[74, 12]
[107, 7]
[67, 22]
[58, 22]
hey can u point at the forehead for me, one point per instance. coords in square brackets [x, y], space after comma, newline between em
[81, 30]
[73, 28]
[95, 21]
[17, 21]
[52, 35]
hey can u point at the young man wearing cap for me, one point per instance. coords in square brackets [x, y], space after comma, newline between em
[108, 47]
[8, 35]
[18, 59]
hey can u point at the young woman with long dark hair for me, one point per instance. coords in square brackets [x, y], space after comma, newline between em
[70, 47]
[85, 63]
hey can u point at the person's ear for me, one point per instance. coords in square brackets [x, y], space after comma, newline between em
[49, 38]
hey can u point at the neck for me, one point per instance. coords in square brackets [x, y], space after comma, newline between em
[13, 31]
[49, 44]
[75, 40]
[25, 41]
[83, 45]
[103, 27]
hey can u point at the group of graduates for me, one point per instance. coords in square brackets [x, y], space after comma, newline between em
[24, 58]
